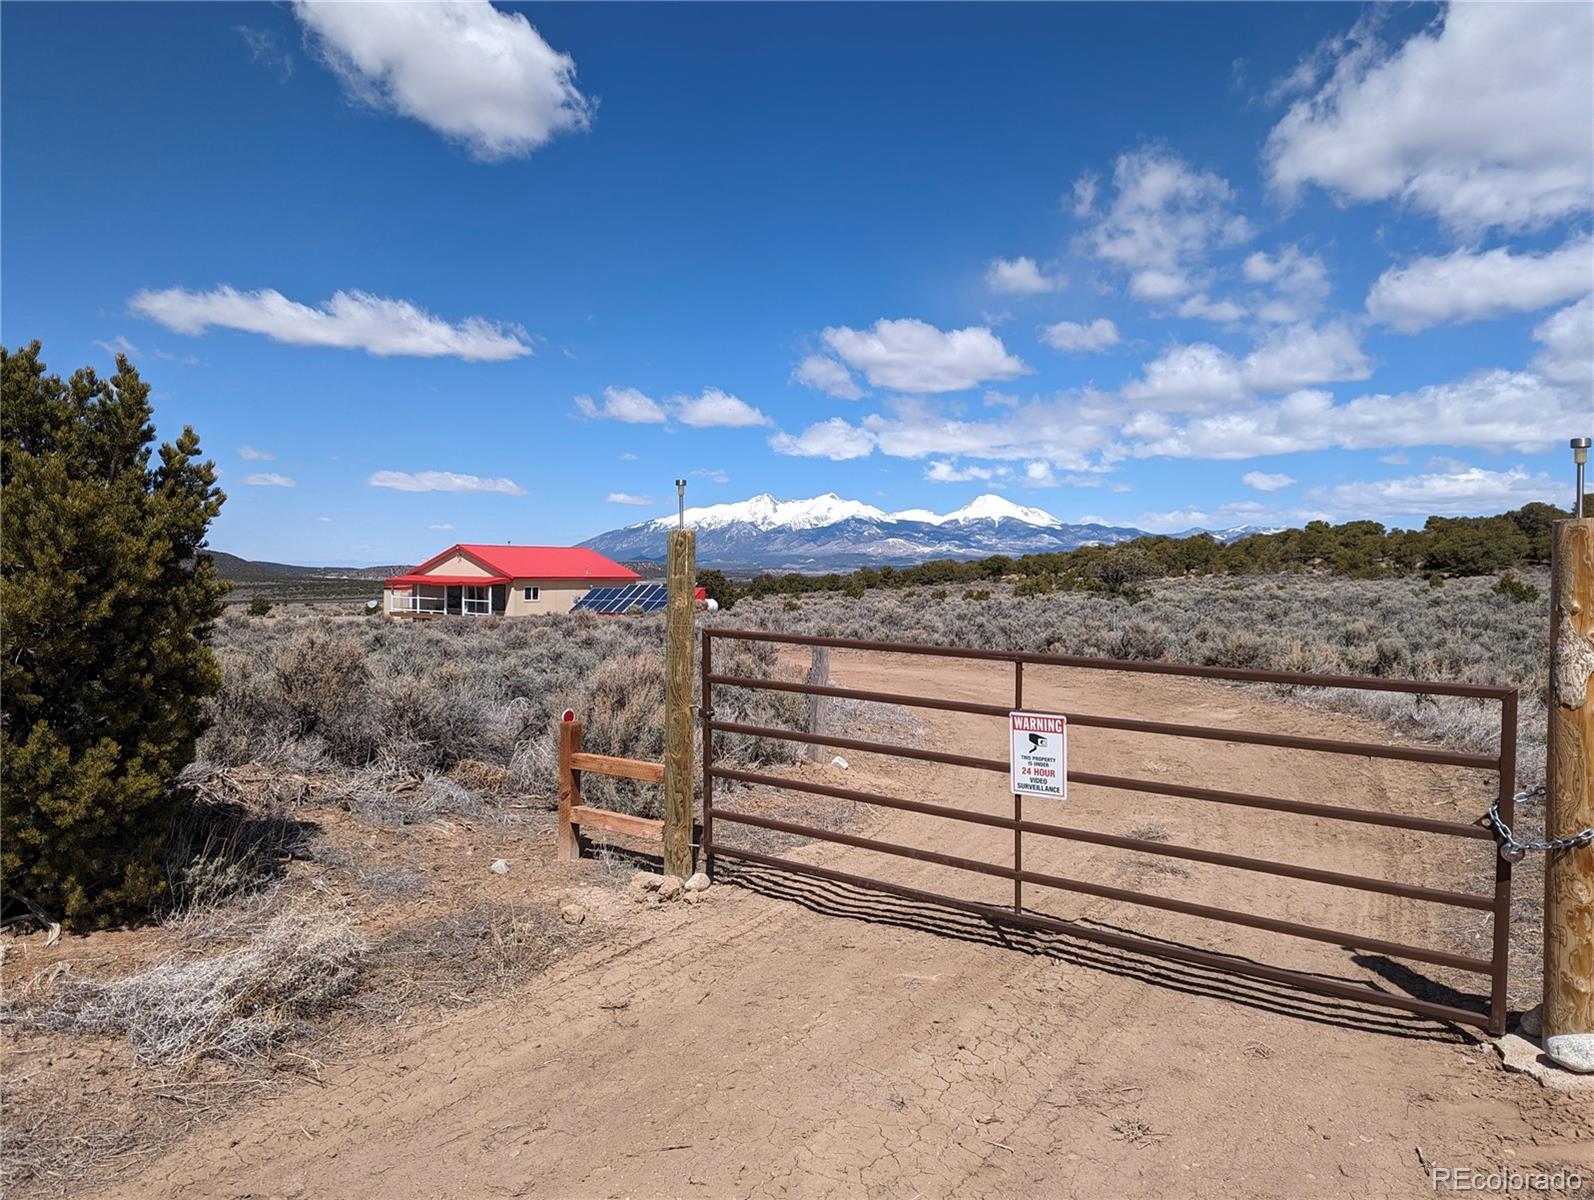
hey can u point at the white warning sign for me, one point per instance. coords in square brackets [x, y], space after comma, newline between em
[1038, 754]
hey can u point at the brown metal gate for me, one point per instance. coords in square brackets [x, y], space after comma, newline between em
[1503, 764]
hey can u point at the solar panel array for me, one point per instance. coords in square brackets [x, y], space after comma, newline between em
[646, 597]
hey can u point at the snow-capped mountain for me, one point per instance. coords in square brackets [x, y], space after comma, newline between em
[1232, 534]
[830, 533]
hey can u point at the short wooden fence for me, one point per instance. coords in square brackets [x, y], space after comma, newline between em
[574, 815]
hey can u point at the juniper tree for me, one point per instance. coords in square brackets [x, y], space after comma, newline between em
[105, 605]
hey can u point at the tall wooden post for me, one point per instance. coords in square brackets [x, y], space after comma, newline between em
[1569, 801]
[681, 577]
[818, 674]
[569, 845]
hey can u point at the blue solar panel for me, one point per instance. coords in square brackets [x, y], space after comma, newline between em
[607, 601]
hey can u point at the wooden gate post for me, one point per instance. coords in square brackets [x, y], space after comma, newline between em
[681, 577]
[818, 674]
[568, 846]
[1569, 801]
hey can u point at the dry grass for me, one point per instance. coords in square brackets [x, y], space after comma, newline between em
[235, 1006]
[457, 958]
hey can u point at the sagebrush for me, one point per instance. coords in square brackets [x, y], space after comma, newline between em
[396, 701]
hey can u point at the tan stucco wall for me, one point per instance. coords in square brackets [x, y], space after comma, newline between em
[458, 565]
[556, 596]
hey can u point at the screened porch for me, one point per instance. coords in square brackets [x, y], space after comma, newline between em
[448, 599]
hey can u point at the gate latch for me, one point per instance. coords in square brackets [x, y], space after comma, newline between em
[1514, 849]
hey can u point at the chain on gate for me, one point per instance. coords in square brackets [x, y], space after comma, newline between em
[1513, 848]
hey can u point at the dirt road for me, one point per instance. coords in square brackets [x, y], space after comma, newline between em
[796, 1038]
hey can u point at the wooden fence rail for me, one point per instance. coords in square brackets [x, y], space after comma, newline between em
[574, 815]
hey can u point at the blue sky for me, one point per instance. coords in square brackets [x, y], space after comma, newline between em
[422, 274]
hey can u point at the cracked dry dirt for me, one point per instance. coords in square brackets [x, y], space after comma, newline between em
[792, 1037]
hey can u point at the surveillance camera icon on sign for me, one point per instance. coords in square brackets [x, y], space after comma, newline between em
[1036, 741]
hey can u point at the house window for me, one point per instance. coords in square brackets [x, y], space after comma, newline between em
[476, 601]
[534, 593]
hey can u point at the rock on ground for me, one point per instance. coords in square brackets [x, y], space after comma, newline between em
[698, 883]
[670, 887]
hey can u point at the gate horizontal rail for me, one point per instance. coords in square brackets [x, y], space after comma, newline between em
[1241, 862]
[1332, 812]
[1451, 758]
[1503, 764]
[1476, 691]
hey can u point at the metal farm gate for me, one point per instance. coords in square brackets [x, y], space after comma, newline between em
[1503, 764]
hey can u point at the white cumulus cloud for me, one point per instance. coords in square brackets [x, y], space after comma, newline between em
[250, 454]
[1201, 377]
[1039, 475]
[1203, 306]
[1073, 337]
[946, 472]
[350, 321]
[1295, 283]
[1469, 286]
[1020, 277]
[1165, 218]
[1266, 481]
[269, 479]
[628, 498]
[443, 481]
[478, 75]
[1568, 341]
[1489, 410]
[1461, 491]
[834, 439]
[1189, 378]
[1482, 119]
[629, 405]
[714, 409]
[1301, 355]
[912, 356]
[828, 376]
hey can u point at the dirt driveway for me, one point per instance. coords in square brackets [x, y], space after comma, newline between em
[792, 1037]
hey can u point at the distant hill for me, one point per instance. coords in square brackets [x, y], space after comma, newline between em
[829, 533]
[243, 570]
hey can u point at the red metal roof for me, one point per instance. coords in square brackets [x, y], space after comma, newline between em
[509, 563]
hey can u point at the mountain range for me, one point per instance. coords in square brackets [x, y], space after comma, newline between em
[231, 567]
[827, 533]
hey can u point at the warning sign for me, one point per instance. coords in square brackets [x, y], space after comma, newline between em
[1038, 754]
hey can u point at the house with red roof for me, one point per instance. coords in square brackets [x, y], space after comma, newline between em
[511, 581]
